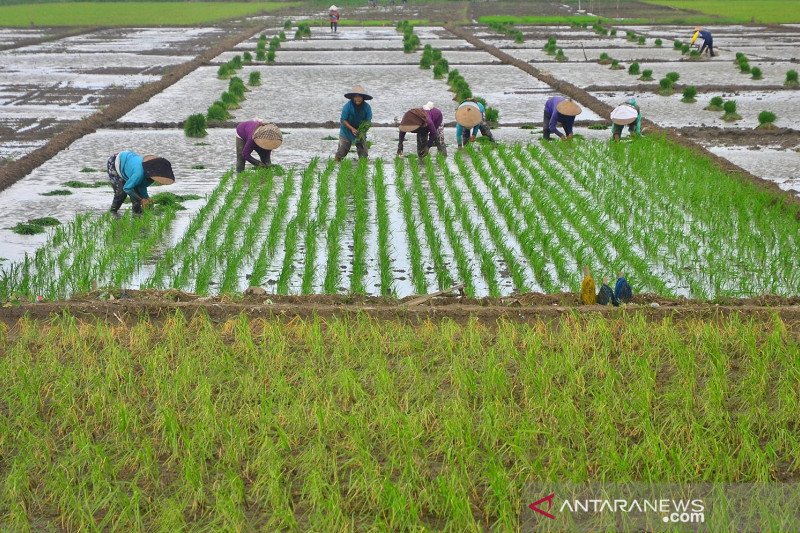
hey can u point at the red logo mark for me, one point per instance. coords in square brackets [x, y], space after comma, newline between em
[549, 499]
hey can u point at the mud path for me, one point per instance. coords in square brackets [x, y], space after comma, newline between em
[132, 305]
[12, 172]
[49, 38]
[604, 110]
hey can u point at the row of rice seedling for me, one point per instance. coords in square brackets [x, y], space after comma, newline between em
[410, 39]
[508, 28]
[315, 424]
[497, 219]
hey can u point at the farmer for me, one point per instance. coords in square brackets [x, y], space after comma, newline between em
[557, 110]
[465, 133]
[131, 174]
[708, 41]
[426, 122]
[259, 137]
[333, 14]
[355, 114]
[626, 114]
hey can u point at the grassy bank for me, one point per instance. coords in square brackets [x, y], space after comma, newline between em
[358, 424]
[740, 11]
[130, 13]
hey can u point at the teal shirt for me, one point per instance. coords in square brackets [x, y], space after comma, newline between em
[132, 171]
[355, 115]
[475, 129]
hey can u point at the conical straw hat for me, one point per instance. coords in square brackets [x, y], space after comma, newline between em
[412, 120]
[268, 136]
[469, 115]
[568, 108]
[158, 169]
[624, 114]
[358, 90]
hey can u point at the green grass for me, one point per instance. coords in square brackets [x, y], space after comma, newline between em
[363, 424]
[740, 11]
[130, 13]
[575, 19]
[356, 22]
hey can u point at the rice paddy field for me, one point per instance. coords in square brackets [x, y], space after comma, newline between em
[397, 343]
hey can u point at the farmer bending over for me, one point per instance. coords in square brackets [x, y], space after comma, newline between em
[626, 114]
[131, 174]
[466, 129]
[426, 122]
[354, 113]
[708, 41]
[333, 15]
[259, 137]
[559, 110]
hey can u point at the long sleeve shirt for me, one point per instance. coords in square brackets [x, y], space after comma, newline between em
[554, 117]
[131, 170]
[706, 36]
[475, 130]
[245, 131]
[354, 115]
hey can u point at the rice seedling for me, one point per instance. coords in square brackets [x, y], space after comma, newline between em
[647, 75]
[658, 42]
[275, 42]
[685, 49]
[88, 170]
[218, 111]
[673, 76]
[641, 40]
[631, 35]
[271, 55]
[492, 116]
[694, 55]
[550, 46]
[300, 221]
[613, 33]
[633, 69]
[715, 104]
[425, 61]
[677, 44]
[229, 100]
[333, 270]
[56, 192]
[730, 115]
[236, 62]
[26, 228]
[247, 58]
[744, 66]
[75, 184]
[560, 56]
[756, 73]
[261, 54]
[605, 59]
[382, 219]
[766, 120]
[195, 126]
[254, 79]
[791, 79]
[287, 25]
[360, 230]
[665, 87]
[303, 31]
[224, 71]
[689, 94]
[415, 251]
[615, 65]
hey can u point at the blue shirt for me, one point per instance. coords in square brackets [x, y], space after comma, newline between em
[554, 117]
[355, 115]
[132, 171]
[706, 35]
[475, 129]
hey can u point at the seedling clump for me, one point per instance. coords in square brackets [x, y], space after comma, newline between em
[658, 42]
[729, 107]
[247, 57]
[766, 120]
[560, 55]
[647, 75]
[605, 59]
[254, 79]
[218, 111]
[57, 192]
[88, 169]
[756, 73]
[665, 87]
[791, 79]
[195, 126]
[673, 76]
[715, 104]
[83, 185]
[633, 70]
[616, 66]
[689, 94]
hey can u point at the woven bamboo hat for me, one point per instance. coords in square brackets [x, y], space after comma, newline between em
[624, 114]
[268, 136]
[158, 169]
[358, 90]
[469, 115]
[333, 8]
[412, 120]
[568, 108]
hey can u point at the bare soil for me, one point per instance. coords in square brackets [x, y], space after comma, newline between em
[129, 305]
[754, 139]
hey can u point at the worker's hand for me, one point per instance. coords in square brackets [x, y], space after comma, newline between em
[146, 203]
[472, 139]
[354, 131]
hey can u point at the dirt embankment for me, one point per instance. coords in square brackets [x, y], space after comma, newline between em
[16, 170]
[128, 306]
[604, 110]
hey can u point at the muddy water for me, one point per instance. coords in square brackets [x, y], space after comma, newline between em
[779, 166]
[365, 57]
[14, 61]
[669, 111]
[140, 40]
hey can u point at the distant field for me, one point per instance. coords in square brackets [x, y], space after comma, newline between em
[129, 13]
[763, 11]
[577, 19]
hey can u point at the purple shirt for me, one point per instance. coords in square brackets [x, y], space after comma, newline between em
[245, 131]
[553, 117]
